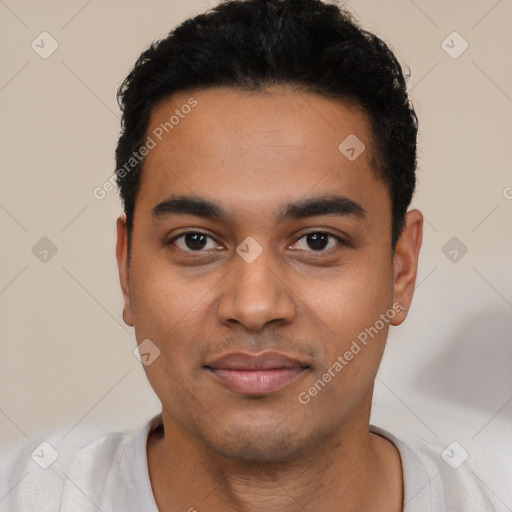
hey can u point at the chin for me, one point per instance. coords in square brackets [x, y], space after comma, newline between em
[251, 450]
[268, 445]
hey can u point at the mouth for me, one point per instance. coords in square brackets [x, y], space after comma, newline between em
[256, 375]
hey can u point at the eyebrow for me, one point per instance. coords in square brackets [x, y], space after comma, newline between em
[303, 208]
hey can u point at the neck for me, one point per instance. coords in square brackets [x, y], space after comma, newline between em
[351, 471]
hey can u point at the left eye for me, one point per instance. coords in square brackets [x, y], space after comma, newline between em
[318, 241]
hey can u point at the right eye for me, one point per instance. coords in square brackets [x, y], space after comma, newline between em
[192, 241]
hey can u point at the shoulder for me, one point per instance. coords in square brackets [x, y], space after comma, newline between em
[36, 474]
[438, 477]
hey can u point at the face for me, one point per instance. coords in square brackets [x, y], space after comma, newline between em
[260, 254]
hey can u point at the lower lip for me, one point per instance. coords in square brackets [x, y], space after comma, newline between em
[257, 382]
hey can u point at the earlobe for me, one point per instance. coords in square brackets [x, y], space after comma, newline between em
[405, 264]
[122, 264]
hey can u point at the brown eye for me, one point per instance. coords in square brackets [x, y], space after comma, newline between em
[193, 241]
[317, 241]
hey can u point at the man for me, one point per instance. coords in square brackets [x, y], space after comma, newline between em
[266, 164]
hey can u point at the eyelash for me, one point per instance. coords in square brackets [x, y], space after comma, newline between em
[322, 251]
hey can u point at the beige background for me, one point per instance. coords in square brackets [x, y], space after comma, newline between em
[67, 355]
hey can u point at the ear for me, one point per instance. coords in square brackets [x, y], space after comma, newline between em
[122, 264]
[405, 264]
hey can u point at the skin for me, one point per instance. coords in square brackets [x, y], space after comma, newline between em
[252, 153]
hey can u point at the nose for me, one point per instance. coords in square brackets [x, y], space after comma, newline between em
[255, 294]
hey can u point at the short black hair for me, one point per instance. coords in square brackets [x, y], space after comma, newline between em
[256, 44]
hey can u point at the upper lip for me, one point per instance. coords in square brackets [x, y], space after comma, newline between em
[245, 361]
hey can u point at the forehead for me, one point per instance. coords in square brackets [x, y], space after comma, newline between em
[255, 148]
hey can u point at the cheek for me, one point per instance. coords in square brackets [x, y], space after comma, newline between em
[354, 321]
[160, 299]
[171, 321]
[166, 311]
[353, 298]
[348, 311]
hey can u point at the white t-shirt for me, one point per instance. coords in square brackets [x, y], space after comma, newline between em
[110, 474]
